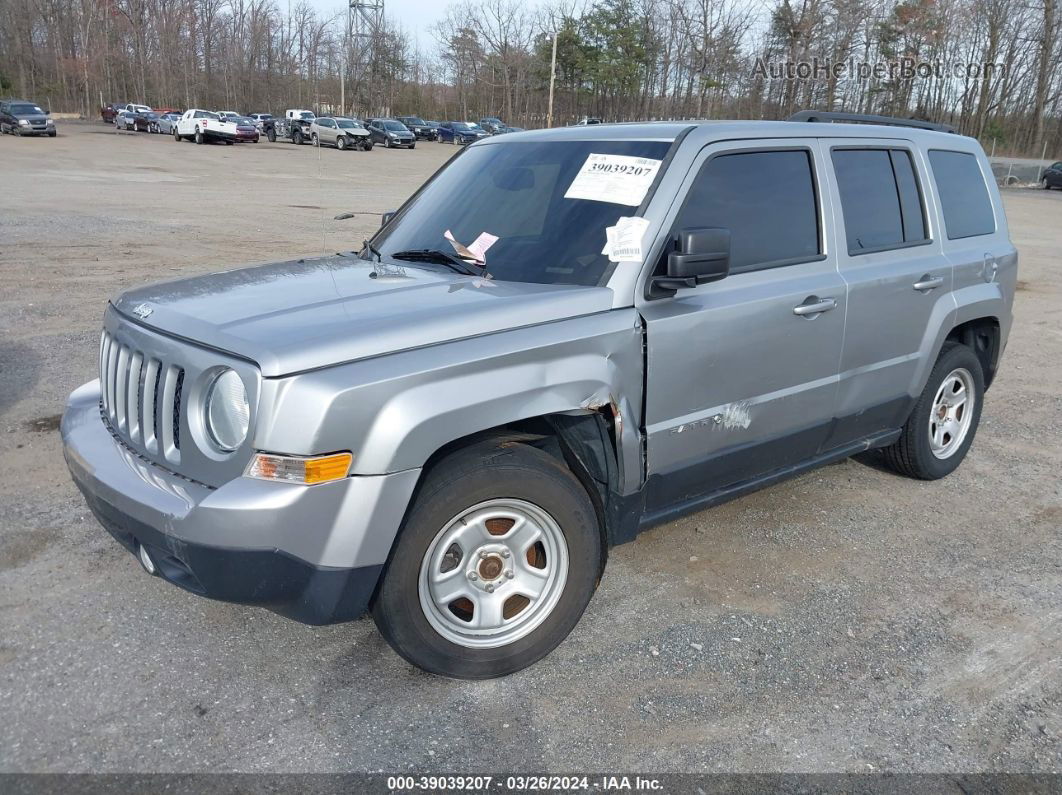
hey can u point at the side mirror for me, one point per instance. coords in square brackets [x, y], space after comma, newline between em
[385, 217]
[700, 256]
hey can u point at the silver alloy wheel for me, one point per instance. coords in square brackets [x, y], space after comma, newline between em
[952, 413]
[493, 574]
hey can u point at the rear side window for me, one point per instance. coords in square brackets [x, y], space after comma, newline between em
[880, 200]
[963, 194]
[743, 193]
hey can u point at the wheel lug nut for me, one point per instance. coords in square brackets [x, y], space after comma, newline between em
[509, 574]
[505, 553]
[490, 587]
[483, 554]
[472, 576]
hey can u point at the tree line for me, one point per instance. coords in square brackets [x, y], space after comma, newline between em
[993, 68]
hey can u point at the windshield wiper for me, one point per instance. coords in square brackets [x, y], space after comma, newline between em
[440, 257]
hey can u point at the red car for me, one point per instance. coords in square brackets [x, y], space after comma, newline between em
[246, 130]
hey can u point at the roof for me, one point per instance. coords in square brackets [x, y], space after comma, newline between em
[726, 130]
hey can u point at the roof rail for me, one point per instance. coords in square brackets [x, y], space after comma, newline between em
[866, 118]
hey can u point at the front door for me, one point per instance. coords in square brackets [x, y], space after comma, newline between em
[742, 372]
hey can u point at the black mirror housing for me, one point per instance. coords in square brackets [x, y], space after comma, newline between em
[700, 256]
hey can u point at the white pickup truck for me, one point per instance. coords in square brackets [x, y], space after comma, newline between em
[204, 125]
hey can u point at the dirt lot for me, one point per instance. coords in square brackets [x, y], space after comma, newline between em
[848, 620]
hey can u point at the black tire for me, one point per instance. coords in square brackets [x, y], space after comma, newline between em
[912, 454]
[199, 139]
[314, 140]
[341, 143]
[367, 146]
[297, 138]
[228, 142]
[466, 478]
[272, 136]
[413, 146]
[52, 134]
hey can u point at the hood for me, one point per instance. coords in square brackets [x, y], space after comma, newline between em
[307, 314]
[31, 116]
[354, 131]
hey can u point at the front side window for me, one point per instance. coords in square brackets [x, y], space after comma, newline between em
[515, 192]
[880, 200]
[766, 200]
[963, 194]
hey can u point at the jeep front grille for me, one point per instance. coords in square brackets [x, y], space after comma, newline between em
[140, 397]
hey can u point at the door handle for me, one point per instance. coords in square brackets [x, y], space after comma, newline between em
[927, 283]
[813, 305]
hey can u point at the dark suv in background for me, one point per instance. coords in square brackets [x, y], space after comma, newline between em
[19, 117]
[420, 128]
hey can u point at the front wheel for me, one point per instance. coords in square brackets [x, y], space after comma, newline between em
[341, 143]
[297, 137]
[314, 140]
[942, 425]
[496, 562]
[272, 136]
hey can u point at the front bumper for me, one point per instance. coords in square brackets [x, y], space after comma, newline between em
[311, 553]
[24, 130]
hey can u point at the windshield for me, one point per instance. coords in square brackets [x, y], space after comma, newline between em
[25, 108]
[515, 192]
[307, 115]
[394, 125]
[460, 125]
[346, 124]
[206, 114]
[413, 120]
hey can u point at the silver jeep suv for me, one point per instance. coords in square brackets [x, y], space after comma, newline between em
[616, 325]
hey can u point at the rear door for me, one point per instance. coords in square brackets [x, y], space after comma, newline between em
[899, 282]
[742, 372]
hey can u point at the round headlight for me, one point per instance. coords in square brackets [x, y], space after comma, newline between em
[227, 411]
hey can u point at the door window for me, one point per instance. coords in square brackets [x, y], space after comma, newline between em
[880, 199]
[766, 200]
[963, 194]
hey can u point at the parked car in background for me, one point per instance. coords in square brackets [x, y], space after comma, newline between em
[391, 133]
[146, 121]
[260, 119]
[133, 108]
[340, 132]
[588, 120]
[492, 124]
[1052, 176]
[505, 128]
[20, 117]
[460, 132]
[166, 122]
[294, 127]
[203, 126]
[110, 110]
[246, 129]
[420, 128]
[434, 128]
[229, 114]
[460, 460]
[125, 120]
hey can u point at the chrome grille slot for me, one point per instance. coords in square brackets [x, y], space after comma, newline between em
[140, 397]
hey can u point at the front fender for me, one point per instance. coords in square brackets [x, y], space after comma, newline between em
[395, 411]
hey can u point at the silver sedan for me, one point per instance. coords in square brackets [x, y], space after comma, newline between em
[166, 122]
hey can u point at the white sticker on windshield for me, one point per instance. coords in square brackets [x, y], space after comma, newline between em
[624, 240]
[618, 179]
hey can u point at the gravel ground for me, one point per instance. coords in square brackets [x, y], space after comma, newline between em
[848, 620]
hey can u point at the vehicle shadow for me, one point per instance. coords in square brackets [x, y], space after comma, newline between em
[20, 366]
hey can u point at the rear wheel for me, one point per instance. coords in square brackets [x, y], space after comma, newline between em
[199, 139]
[272, 136]
[943, 423]
[495, 564]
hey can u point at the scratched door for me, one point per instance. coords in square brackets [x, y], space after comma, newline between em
[742, 373]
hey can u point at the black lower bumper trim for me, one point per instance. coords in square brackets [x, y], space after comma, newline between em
[268, 578]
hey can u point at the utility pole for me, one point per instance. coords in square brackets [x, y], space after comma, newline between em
[552, 77]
